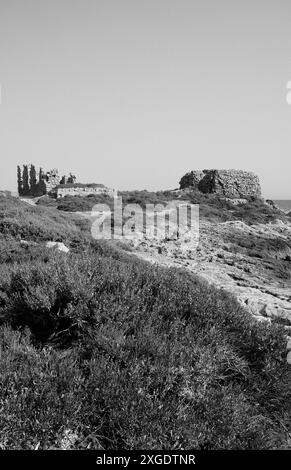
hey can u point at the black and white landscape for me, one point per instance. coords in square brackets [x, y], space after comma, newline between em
[145, 226]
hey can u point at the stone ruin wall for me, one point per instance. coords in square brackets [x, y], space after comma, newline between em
[191, 179]
[228, 183]
[231, 183]
[84, 191]
[51, 179]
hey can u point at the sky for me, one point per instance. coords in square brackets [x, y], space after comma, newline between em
[135, 93]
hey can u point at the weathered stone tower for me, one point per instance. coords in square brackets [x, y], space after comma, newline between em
[228, 183]
[51, 179]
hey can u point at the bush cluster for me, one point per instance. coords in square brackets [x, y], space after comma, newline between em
[115, 353]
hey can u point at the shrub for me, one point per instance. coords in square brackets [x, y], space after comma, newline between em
[212, 206]
[82, 203]
[117, 353]
[166, 361]
[22, 221]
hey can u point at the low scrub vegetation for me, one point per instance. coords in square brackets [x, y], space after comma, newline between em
[86, 203]
[212, 207]
[114, 353]
[273, 253]
[220, 209]
[22, 221]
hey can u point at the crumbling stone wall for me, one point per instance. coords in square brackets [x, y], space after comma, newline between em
[51, 179]
[79, 189]
[228, 183]
[191, 179]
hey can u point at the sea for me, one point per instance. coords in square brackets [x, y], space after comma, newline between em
[284, 204]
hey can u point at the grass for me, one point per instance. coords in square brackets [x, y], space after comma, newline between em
[219, 209]
[120, 354]
[86, 203]
[22, 221]
[273, 254]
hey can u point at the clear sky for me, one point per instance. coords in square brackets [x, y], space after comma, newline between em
[134, 93]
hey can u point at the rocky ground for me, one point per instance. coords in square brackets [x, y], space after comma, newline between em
[253, 262]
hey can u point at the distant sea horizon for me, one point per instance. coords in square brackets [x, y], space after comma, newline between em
[284, 204]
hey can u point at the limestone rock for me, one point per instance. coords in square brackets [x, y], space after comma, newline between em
[220, 260]
[58, 245]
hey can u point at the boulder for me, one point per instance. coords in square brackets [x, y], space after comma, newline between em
[58, 245]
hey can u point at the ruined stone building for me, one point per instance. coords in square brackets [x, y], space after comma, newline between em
[51, 179]
[67, 186]
[54, 185]
[228, 183]
[79, 189]
[71, 179]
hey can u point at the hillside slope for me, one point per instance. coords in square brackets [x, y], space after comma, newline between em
[253, 262]
[102, 350]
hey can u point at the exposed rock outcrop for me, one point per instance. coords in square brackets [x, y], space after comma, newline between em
[250, 261]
